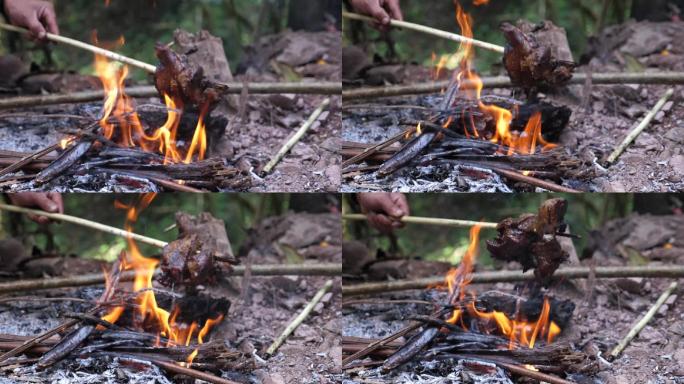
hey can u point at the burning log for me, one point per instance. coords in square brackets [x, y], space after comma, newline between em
[410, 151]
[537, 56]
[531, 240]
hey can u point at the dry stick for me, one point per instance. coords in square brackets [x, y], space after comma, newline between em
[322, 88]
[297, 136]
[314, 269]
[517, 176]
[642, 323]
[522, 371]
[430, 31]
[640, 127]
[88, 47]
[370, 151]
[175, 368]
[671, 78]
[86, 223]
[428, 221]
[673, 271]
[380, 343]
[300, 318]
[174, 186]
[25, 161]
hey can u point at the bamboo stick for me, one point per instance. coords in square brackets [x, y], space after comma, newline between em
[634, 133]
[297, 136]
[299, 319]
[88, 47]
[671, 78]
[86, 223]
[428, 221]
[642, 323]
[310, 269]
[673, 271]
[322, 88]
[430, 31]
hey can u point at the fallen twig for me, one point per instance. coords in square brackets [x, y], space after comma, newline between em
[522, 371]
[299, 319]
[309, 269]
[642, 323]
[297, 136]
[25, 161]
[323, 88]
[428, 221]
[634, 133]
[430, 31]
[662, 271]
[504, 82]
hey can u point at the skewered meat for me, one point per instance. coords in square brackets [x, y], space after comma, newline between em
[531, 240]
[192, 259]
[537, 56]
[184, 82]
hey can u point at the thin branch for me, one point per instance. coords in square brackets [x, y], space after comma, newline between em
[299, 319]
[533, 181]
[175, 368]
[642, 323]
[662, 271]
[297, 136]
[640, 127]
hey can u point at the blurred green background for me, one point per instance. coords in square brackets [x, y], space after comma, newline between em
[585, 212]
[580, 18]
[239, 211]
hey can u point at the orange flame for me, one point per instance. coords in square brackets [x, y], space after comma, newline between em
[518, 331]
[477, 3]
[149, 314]
[470, 85]
[121, 121]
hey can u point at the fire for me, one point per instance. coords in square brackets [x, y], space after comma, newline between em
[148, 313]
[518, 331]
[121, 122]
[477, 3]
[470, 85]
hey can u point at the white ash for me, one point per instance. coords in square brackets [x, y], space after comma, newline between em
[436, 372]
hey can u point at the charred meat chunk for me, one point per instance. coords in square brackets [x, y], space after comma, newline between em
[184, 82]
[531, 240]
[537, 56]
[193, 258]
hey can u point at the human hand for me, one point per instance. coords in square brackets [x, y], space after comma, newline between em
[37, 16]
[381, 10]
[384, 210]
[48, 202]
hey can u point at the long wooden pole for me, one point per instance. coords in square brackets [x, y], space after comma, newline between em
[428, 221]
[88, 47]
[671, 78]
[662, 271]
[430, 31]
[311, 269]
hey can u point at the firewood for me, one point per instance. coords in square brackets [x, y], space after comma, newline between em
[410, 151]
[666, 271]
[412, 347]
[65, 161]
[26, 161]
[65, 346]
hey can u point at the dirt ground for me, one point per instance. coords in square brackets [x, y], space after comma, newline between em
[258, 126]
[605, 311]
[602, 116]
[260, 309]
